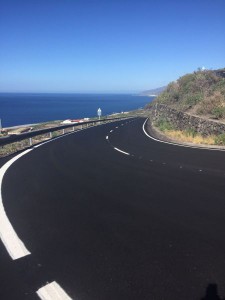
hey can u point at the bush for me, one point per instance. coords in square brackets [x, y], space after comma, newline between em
[220, 139]
[194, 99]
[164, 125]
[219, 112]
[190, 132]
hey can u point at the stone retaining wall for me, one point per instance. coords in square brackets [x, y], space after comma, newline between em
[184, 121]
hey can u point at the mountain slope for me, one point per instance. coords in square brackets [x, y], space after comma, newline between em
[201, 93]
[153, 92]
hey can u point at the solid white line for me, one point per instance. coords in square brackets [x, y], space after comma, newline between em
[10, 239]
[121, 151]
[58, 137]
[52, 291]
[179, 145]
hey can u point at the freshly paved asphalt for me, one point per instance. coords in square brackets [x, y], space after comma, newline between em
[108, 226]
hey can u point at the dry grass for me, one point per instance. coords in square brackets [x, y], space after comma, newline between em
[183, 136]
[211, 102]
[24, 144]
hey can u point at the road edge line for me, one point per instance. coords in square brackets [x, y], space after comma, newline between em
[175, 144]
[13, 244]
[10, 239]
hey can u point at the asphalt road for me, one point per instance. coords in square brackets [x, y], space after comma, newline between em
[108, 226]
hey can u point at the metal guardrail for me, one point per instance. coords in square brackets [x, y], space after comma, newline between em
[28, 135]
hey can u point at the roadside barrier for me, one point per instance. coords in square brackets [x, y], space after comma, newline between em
[30, 135]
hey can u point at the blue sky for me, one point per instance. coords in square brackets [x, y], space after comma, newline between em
[106, 46]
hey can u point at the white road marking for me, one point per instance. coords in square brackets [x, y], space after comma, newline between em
[107, 137]
[52, 291]
[116, 127]
[121, 151]
[59, 137]
[65, 134]
[179, 145]
[10, 239]
[111, 130]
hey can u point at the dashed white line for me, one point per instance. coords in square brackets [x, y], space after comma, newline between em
[10, 239]
[111, 130]
[116, 127]
[52, 291]
[107, 137]
[121, 151]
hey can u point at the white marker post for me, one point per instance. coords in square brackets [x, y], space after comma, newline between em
[99, 112]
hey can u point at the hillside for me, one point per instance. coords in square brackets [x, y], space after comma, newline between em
[153, 92]
[200, 93]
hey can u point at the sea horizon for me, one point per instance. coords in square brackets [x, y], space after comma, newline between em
[31, 107]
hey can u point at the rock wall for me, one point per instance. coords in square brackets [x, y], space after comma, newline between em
[184, 121]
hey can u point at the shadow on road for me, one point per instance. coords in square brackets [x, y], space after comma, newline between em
[212, 293]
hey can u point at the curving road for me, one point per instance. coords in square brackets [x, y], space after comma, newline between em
[110, 214]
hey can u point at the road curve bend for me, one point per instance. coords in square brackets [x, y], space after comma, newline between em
[108, 213]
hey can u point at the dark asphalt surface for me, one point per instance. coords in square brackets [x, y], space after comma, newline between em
[107, 226]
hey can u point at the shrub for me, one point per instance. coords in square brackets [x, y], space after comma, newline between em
[164, 125]
[194, 99]
[220, 139]
[190, 132]
[219, 112]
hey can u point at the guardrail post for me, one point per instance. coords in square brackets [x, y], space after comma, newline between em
[63, 131]
[73, 128]
[30, 142]
[50, 135]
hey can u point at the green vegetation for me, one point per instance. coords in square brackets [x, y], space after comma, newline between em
[187, 136]
[164, 125]
[190, 132]
[218, 112]
[200, 93]
[220, 139]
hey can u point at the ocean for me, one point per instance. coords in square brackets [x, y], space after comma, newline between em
[20, 109]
